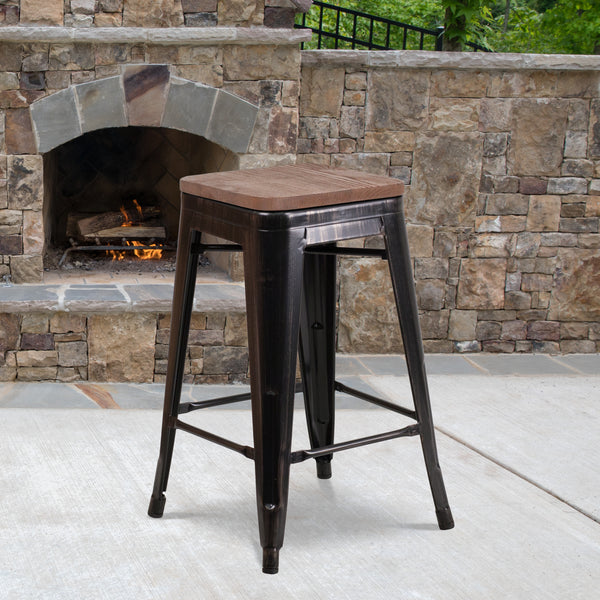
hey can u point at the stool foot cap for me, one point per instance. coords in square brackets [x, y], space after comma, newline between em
[444, 517]
[157, 506]
[324, 469]
[270, 560]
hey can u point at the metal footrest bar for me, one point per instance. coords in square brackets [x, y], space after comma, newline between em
[302, 455]
[340, 387]
[199, 248]
[187, 407]
[247, 451]
[299, 455]
[342, 251]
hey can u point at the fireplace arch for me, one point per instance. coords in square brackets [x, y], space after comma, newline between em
[143, 96]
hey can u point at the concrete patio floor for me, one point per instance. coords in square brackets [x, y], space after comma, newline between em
[519, 445]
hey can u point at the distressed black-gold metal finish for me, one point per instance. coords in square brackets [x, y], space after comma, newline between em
[290, 271]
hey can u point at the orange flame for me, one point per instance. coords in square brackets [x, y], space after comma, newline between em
[127, 222]
[153, 253]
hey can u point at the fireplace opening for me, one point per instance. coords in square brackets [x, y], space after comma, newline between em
[112, 197]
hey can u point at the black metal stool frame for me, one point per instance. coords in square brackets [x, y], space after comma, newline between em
[290, 267]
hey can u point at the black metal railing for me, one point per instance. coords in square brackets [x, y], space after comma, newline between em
[336, 27]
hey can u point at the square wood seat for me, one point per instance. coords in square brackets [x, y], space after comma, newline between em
[287, 220]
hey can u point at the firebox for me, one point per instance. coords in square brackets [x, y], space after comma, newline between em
[114, 193]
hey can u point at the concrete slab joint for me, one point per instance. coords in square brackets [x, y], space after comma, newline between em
[148, 96]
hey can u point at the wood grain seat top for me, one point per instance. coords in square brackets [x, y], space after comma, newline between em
[291, 187]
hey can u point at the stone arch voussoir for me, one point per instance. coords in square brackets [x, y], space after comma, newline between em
[144, 96]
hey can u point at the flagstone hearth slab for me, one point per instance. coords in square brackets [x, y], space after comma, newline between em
[82, 298]
[28, 298]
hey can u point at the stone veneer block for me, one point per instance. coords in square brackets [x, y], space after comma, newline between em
[482, 283]
[544, 213]
[259, 62]
[322, 92]
[9, 15]
[196, 6]
[19, 132]
[145, 93]
[26, 269]
[55, 119]
[157, 13]
[232, 122]
[241, 12]
[595, 129]
[575, 291]
[25, 182]
[537, 136]
[121, 347]
[101, 104]
[445, 178]
[9, 332]
[46, 12]
[398, 100]
[279, 17]
[33, 232]
[11, 244]
[189, 106]
[454, 114]
[367, 300]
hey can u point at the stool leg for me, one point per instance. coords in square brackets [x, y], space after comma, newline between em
[273, 275]
[183, 300]
[406, 302]
[317, 353]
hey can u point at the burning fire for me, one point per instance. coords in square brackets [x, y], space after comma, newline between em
[152, 253]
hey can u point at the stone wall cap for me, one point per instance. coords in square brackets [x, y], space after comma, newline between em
[302, 5]
[422, 59]
[173, 36]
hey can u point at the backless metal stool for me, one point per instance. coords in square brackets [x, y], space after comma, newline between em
[286, 220]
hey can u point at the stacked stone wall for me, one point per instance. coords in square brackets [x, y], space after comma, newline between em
[501, 159]
[132, 347]
[149, 13]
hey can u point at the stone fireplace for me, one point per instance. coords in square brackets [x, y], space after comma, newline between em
[106, 102]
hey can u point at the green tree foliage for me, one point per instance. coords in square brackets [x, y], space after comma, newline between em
[422, 13]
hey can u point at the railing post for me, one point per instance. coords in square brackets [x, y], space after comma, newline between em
[439, 40]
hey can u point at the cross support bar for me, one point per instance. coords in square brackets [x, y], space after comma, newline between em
[302, 455]
[217, 439]
[340, 387]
